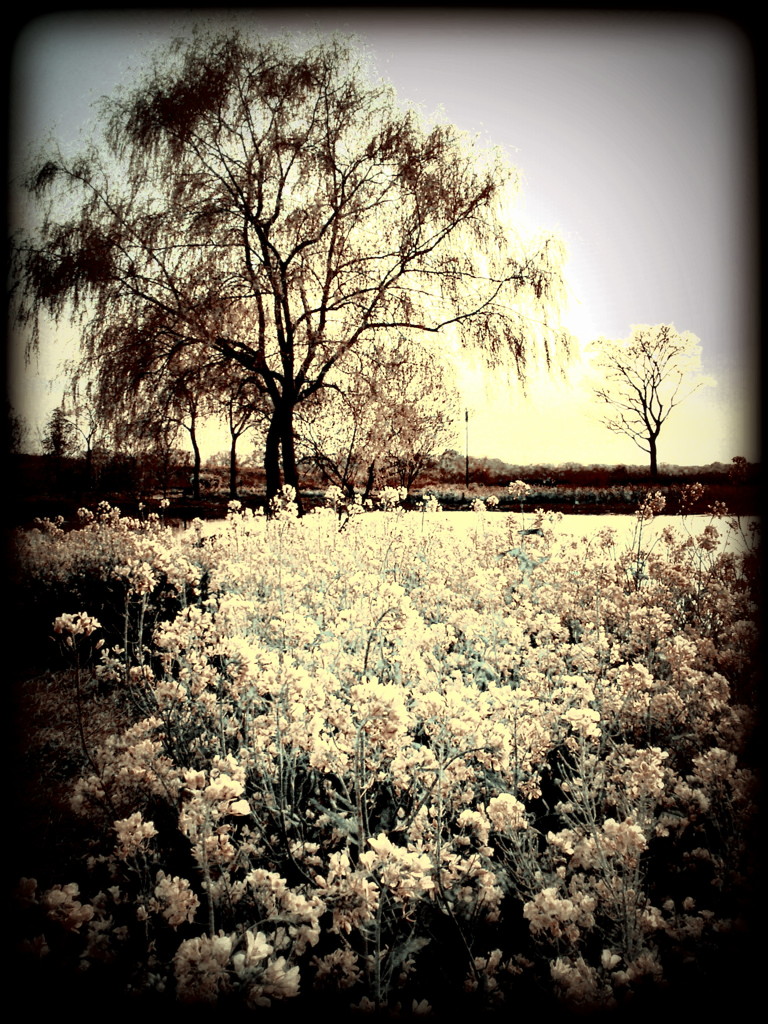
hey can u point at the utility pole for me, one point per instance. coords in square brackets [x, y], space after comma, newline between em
[466, 457]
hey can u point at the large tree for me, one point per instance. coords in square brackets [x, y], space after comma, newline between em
[260, 203]
[642, 378]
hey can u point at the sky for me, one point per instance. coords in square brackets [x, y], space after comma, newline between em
[636, 138]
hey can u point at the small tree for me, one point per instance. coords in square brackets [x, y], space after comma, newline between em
[186, 407]
[643, 378]
[339, 430]
[87, 426]
[243, 407]
[420, 416]
[59, 436]
[382, 418]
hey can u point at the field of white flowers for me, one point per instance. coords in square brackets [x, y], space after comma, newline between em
[411, 763]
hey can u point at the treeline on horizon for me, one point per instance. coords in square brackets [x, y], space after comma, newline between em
[495, 472]
[47, 486]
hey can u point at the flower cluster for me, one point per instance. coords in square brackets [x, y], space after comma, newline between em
[652, 506]
[518, 489]
[76, 625]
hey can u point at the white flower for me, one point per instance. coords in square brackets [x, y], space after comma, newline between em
[132, 833]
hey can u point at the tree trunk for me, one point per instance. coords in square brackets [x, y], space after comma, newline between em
[89, 481]
[288, 446]
[272, 457]
[233, 468]
[370, 480]
[281, 442]
[654, 464]
[196, 466]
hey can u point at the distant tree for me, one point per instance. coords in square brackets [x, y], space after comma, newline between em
[339, 428]
[382, 419]
[243, 407]
[451, 466]
[58, 439]
[136, 432]
[186, 405]
[87, 425]
[158, 455]
[420, 413]
[272, 205]
[643, 378]
[167, 400]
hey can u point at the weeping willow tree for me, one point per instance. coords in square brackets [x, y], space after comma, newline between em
[265, 206]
